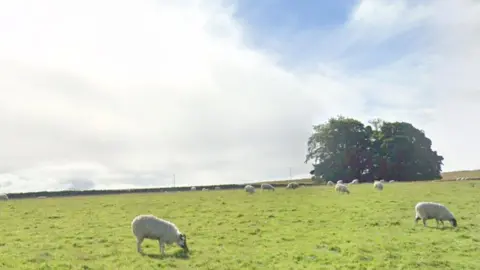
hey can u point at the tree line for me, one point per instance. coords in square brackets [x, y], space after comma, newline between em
[345, 148]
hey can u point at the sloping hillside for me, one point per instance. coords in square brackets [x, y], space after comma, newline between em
[455, 174]
[445, 175]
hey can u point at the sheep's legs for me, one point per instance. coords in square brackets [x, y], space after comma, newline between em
[162, 247]
[424, 222]
[139, 245]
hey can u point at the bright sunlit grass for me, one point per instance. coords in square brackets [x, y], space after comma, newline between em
[307, 228]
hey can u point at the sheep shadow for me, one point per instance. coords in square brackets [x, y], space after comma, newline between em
[180, 254]
[433, 227]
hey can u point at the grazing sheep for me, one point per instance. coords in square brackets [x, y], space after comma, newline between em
[193, 188]
[391, 181]
[151, 227]
[267, 186]
[3, 197]
[382, 181]
[340, 182]
[355, 181]
[41, 197]
[342, 188]
[204, 189]
[250, 189]
[217, 188]
[432, 210]
[378, 185]
[330, 183]
[292, 185]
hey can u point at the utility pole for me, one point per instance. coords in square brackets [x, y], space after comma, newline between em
[173, 180]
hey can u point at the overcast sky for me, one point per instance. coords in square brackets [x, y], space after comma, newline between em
[117, 94]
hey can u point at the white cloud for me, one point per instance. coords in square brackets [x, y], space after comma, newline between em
[111, 94]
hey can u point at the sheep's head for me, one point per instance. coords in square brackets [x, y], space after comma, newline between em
[182, 241]
[453, 222]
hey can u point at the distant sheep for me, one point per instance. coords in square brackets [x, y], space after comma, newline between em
[342, 188]
[41, 197]
[204, 189]
[382, 181]
[330, 183]
[292, 185]
[3, 197]
[250, 189]
[355, 181]
[267, 187]
[151, 227]
[193, 188]
[340, 182]
[378, 185]
[217, 188]
[391, 181]
[432, 210]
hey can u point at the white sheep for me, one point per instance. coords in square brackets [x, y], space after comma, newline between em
[340, 182]
[204, 189]
[342, 188]
[151, 227]
[3, 197]
[292, 185]
[250, 189]
[378, 185]
[193, 188]
[432, 210]
[330, 183]
[268, 187]
[382, 181]
[355, 181]
[217, 188]
[391, 181]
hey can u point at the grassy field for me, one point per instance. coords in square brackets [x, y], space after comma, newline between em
[455, 174]
[307, 228]
[445, 176]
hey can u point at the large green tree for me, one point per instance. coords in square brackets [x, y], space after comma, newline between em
[344, 148]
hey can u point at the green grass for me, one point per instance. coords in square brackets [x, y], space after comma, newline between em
[456, 174]
[307, 228]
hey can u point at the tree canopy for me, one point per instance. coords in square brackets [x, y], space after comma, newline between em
[345, 148]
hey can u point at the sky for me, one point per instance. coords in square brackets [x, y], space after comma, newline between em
[122, 94]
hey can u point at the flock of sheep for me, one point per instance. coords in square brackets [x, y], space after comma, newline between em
[165, 232]
[151, 227]
[343, 188]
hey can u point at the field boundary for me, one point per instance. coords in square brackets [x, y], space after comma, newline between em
[93, 192]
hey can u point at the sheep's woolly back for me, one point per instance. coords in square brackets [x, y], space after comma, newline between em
[430, 210]
[378, 185]
[330, 183]
[340, 182]
[249, 189]
[341, 188]
[151, 227]
[355, 181]
[267, 186]
[292, 185]
[4, 197]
